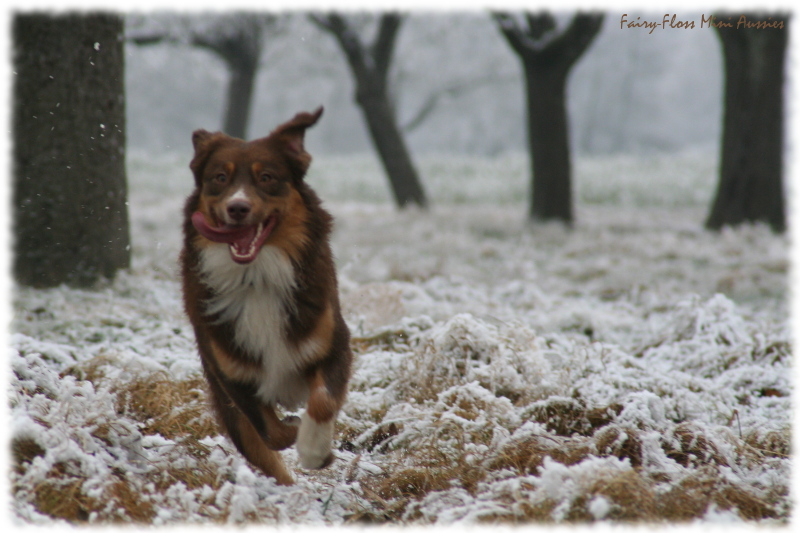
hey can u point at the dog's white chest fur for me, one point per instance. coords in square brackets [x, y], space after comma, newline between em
[256, 298]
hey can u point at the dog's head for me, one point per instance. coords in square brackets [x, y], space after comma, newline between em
[248, 191]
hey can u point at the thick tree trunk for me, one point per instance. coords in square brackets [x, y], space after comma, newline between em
[548, 138]
[547, 55]
[69, 198]
[751, 168]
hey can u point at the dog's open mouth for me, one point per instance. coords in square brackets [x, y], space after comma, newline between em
[244, 241]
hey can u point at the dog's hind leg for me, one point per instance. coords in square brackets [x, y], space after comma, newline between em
[280, 434]
[269, 461]
[245, 437]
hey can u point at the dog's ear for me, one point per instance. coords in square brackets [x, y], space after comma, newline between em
[291, 136]
[204, 143]
[200, 138]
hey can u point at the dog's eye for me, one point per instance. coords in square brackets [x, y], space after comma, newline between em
[221, 178]
[265, 177]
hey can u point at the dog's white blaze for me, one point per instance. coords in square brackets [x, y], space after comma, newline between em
[238, 195]
[257, 298]
[314, 441]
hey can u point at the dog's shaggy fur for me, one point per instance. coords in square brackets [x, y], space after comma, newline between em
[259, 287]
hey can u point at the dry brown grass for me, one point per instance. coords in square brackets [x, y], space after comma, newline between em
[567, 416]
[691, 448]
[167, 407]
[387, 340]
[623, 443]
[177, 411]
[129, 504]
[62, 496]
[775, 444]
[23, 450]
[94, 370]
[164, 405]
[692, 496]
[527, 455]
[631, 496]
[577, 434]
[433, 469]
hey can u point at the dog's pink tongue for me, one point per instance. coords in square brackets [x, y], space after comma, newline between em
[239, 236]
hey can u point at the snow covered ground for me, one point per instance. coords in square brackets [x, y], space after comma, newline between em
[635, 367]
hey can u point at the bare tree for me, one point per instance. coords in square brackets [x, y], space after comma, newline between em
[751, 167]
[369, 64]
[547, 57]
[236, 38]
[69, 197]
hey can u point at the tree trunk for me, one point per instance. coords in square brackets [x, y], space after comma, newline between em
[69, 198]
[239, 97]
[547, 56]
[751, 168]
[235, 38]
[391, 147]
[548, 138]
[370, 68]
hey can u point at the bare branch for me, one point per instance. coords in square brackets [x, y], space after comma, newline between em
[349, 40]
[540, 36]
[511, 31]
[580, 33]
[336, 24]
[236, 37]
[454, 90]
[325, 22]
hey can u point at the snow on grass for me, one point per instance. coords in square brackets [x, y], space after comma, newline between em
[634, 368]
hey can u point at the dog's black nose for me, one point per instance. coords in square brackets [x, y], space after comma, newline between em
[238, 210]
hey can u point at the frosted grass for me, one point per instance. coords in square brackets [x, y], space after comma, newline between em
[471, 322]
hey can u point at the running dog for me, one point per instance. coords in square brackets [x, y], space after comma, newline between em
[259, 287]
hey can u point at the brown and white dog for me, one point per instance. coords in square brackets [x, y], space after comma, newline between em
[259, 287]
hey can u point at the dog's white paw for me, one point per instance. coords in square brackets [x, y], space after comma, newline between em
[314, 442]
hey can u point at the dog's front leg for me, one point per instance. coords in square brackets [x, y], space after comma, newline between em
[315, 436]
